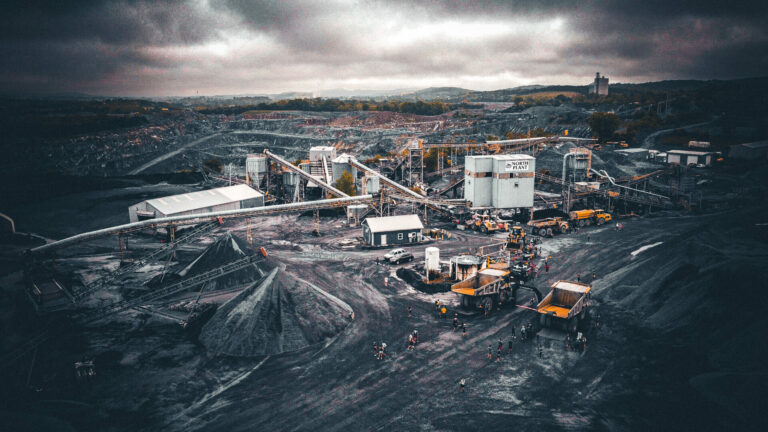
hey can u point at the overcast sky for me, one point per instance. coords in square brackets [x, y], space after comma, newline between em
[165, 47]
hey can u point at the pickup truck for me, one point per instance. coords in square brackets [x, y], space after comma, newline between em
[565, 306]
[396, 256]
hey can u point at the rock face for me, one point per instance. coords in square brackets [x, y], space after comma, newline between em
[276, 315]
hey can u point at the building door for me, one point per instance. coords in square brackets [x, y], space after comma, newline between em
[383, 239]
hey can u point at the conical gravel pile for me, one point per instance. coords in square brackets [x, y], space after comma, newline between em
[224, 250]
[277, 315]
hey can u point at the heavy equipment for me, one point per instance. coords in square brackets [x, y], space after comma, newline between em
[589, 217]
[493, 286]
[487, 225]
[516, 237]
[565, 306]
[549, 226]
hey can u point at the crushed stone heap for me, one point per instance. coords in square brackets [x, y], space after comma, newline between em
[276, 315]
[224, 250]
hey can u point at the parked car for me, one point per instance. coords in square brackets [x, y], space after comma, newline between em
[396, 256]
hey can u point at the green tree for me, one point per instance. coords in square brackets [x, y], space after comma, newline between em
[603, 125]
[346, 183]
[430, 160]
[213, 164]
[538, 132]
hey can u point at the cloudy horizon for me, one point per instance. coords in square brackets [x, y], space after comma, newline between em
[224, 47]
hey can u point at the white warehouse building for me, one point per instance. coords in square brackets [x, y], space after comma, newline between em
[500, 181]
[207, 201]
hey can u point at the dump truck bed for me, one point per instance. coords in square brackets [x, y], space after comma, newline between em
[475, 284]
[564, 300]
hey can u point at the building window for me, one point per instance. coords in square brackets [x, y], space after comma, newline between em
[399, 236]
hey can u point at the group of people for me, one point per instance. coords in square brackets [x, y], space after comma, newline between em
[456, 325]
[577, 344]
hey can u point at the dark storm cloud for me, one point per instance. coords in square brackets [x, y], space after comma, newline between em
[238, 46]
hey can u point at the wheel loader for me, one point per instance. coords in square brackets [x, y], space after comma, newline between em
[516, 237]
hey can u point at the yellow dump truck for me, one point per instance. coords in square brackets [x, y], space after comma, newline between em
[492, 286]
[566, 305]
[549, 226]
[589, 217]
[486, 225]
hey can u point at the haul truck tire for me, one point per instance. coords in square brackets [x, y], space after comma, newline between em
[549, 232]
[504, 297]
[563, 229]
[581, 223]
[600, 221]
[488, 304]
[588, 222]
[543, 232]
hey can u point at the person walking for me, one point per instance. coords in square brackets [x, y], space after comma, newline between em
[490, 352]
[455, 323]
[594, 276]
[546, 267]
[462, 383]
[463, 330]
[410, 311]
[509, 345]
[578, 277]
[501, 346]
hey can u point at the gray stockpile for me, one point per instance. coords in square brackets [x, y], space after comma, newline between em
[276, 315]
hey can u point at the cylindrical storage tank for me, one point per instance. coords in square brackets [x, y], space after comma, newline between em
[464, 266]
[370, 185]
[432, 259]
[341, 164]
[255, 167]
[290, 179]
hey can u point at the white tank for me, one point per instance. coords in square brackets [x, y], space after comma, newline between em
[432, 259]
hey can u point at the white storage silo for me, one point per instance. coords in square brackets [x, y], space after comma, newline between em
[513, 181]
[432, 260]
[255, 168]
[477, 180]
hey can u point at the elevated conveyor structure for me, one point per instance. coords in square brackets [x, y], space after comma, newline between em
[154, 255]
[391, 183]
[202, 218]
[113, 308]
[305, 175]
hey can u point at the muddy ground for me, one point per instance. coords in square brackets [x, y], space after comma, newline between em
[675, 347]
